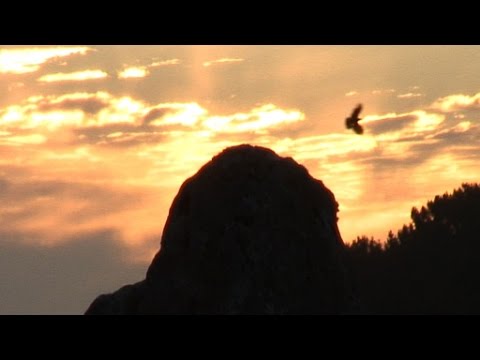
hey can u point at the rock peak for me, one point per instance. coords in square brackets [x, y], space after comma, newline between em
[250, 233]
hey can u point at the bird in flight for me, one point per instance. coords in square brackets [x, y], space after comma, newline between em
[352, 121]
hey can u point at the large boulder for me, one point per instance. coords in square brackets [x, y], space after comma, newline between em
[250, 233]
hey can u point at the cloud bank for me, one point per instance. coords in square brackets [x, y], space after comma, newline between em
[21, 61]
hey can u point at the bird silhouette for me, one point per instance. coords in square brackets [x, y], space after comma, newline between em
[352, 121]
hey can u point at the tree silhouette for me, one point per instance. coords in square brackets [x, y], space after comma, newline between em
[431, 266]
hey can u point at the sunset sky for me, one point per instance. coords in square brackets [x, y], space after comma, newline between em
[96, 141]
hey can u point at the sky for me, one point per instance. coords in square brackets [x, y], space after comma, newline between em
[95, 142]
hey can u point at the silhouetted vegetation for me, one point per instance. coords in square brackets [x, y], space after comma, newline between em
[431, 266]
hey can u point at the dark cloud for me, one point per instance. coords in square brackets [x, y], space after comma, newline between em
[453, 137]
[31, 199]
[451, 142]
[412, 150]
[390, 124]
[13, 171]
[384, 164]
[32, 188]
[131, 140]
[96, 133]
[122, 135]
[63, 279]
[153, 115]
[411, 138]
[89, 105]
[468, 153]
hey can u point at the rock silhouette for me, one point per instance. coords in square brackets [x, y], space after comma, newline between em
[250, 233]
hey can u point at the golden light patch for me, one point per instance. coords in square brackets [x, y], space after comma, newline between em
[187, 114]
[382, 91]
[32, 139]
[74, 76]
[52, 120]
[28, 118]
[372, 118]
[178, 158]
[39, 111]
[100, 95]
[133, 72]
[321, 146]
[13, 114]
[165, 63]
[447, 166]
[258, 119]
[124, 110]
[281, 146]
[427, 121]
[346, 178]
[463, 126]
[127, 104]
[456, 102]
[380, 220]
[20, 61]
[80, 153]
[106, 109]
[398, 150]
[115, 134]
[222, 61]
[409, 95]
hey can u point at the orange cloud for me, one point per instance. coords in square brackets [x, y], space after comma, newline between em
[187, 114]
[102, 109]
[20, 61]
[457, 102]
[137, 72]
[79, 135]
[394, 126]
[222, 61]
[32, 139]
[165, 63]
[381, 92]
[72, 110]
[74, 76]
[409, 95]
[258, 120]
[133, 72]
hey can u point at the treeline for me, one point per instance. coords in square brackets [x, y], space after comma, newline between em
[430, 266]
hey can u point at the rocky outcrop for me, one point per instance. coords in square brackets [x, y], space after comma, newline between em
[250, 233]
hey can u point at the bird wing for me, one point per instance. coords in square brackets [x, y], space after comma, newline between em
[356, 111]
[348, 123]
[358, 129]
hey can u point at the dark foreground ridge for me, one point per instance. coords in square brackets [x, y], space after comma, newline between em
[250, 233]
